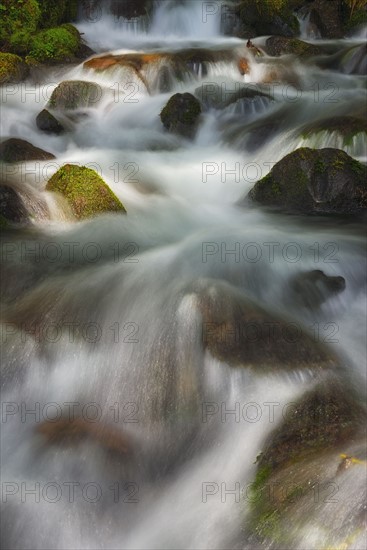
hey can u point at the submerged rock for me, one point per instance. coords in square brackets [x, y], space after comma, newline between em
[354, 61]
[280, 45]
[312, 288]
[18, 150]
[85, 191]
[48, 123]
[237, 331]
[212, 95]
[345, 126]
[315, 181]
[181, 114]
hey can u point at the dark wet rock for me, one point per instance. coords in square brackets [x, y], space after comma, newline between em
[12, 68]
[280, 45]
[215, 96]
[85, 191]
[328, 18]
[354, 61]
[75, 94]
[48, 123]
[130, 9]
[251, 19]
[181, 114]
[315, 181]
[18, 150]
[12, 208]
[312, 288]
[345, 126]
[237, 331]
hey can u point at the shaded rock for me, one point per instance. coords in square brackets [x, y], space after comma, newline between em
[18, 150]
[313, 288]
[328, 17]
[12, 208]
[75, 94]
[280, 45]
[130, 9]
[48, 123]
[181, 114]
[12, 68]
[86, 192]
[265, 18]
[311, 181]
[237, 331]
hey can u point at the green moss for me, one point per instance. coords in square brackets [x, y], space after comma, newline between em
[12, 68]
[20, 19]
[54, 45]
[86, 192]
[4, 224]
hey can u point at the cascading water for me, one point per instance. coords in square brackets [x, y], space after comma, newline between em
[104, 315]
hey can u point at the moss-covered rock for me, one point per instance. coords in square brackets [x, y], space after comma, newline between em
[280, 45]
[302, 459]
[46, 122]
[18, 150]
[20, 20]
[86, 192]
[12, 68]
[315, 181]
[55, 13]
[12, 209]
[75, 94]
[181, 114]
[60, 44]
[270, 17]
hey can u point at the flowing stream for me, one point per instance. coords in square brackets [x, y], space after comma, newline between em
[105, 315]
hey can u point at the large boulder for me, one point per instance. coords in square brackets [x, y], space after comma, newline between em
[239, 332]
[57, 45]
[315, 181]
[19, 150]
[261, 18]
[85, 191]
[280, 45]
[328, 17]
[75, 94]
[317, 452]
[46, 122]
[12, 68]
[181, 114]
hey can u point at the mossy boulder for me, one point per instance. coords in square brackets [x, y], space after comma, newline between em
[75, 94]
[46, 122]
[20, 21]
[12, 68]
[280, 45]
[19, 150]
[56, 45]
[181, 114]
[257, 17]
[12, 209]
[236, 330]
[315, 181]
[55, 13]
[346, 126]
[302, 459]
[85, 191]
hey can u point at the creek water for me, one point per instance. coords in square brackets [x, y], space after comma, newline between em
[102, 314]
